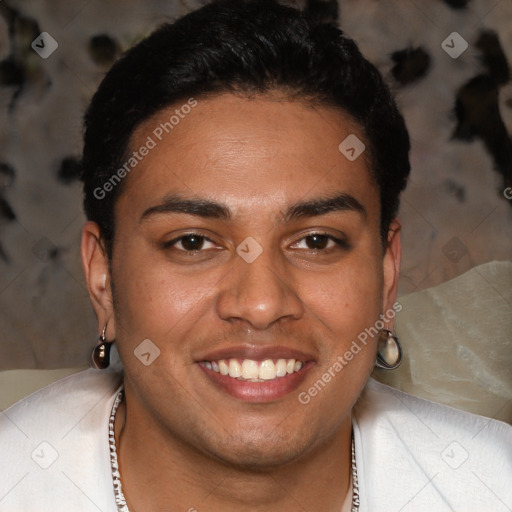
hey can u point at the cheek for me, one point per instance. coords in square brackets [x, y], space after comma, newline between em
[344, 306]
[153, 300]
[347, 300]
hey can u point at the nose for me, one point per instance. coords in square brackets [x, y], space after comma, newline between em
[258, 294]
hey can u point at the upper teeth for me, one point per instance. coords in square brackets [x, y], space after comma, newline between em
[257, 371]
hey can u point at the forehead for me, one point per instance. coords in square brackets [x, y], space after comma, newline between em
[262, 152]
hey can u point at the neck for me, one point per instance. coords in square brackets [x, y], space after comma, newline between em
[160, 472]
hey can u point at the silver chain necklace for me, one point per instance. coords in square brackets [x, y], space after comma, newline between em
[116, 475]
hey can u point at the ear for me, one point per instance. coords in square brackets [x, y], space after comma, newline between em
[391, 266]
[95, 265]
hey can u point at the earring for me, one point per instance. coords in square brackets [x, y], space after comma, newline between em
[389, 354]
[101, 353]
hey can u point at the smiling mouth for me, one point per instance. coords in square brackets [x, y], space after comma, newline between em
[251, 370]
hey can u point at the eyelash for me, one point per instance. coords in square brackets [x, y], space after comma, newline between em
[172, 243]
[342, 244]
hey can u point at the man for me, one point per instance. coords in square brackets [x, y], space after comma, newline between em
[242, 172]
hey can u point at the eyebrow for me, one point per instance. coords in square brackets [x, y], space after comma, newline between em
[322, 206]
[211, 209]
[199, 207]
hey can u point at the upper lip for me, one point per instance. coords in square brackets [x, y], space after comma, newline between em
[256, 352]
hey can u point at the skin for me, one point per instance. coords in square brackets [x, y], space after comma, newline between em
[182, 442]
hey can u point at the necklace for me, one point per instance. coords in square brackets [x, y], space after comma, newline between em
[116, 475]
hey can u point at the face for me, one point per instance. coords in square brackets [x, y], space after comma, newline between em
[245, 242]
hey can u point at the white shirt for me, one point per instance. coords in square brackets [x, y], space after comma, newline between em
[412, 455]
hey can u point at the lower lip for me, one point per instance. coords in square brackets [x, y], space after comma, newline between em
[259, 392]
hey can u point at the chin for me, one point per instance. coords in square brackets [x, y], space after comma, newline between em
[261, 451]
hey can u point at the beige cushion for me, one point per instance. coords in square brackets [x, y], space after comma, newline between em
[457, 342]
[16, 384]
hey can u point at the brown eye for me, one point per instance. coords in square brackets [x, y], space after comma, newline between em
[190, 243]
[317, 242]
[320, 242]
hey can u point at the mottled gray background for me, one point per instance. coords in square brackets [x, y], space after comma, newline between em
[454, 212]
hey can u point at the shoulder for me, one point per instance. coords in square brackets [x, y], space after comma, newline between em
[386, 404]
[63, 402]
[439, 458]
[55, 442]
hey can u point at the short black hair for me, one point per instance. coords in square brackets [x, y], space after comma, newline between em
[248, 47]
